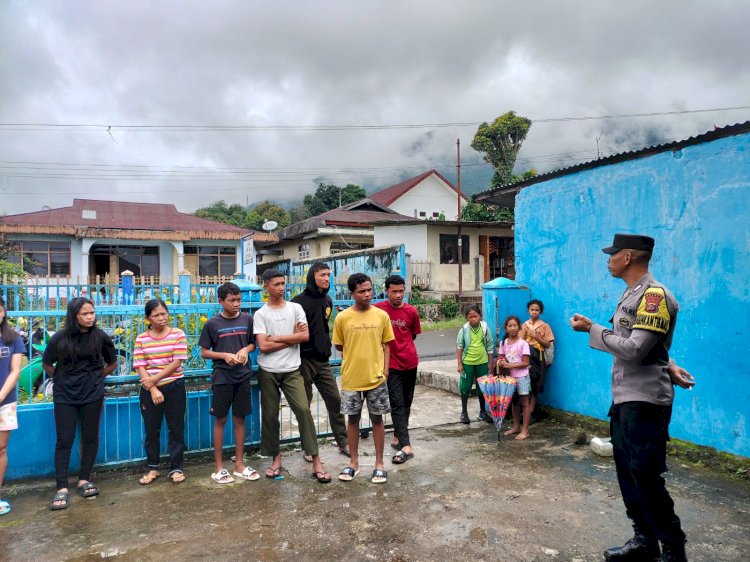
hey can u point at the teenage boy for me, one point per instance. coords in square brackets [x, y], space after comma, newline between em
[280, 328]
[316, 352]
[361, 333]
[402, 370]
[227, 339]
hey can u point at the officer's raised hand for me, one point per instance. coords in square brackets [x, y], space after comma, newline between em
[580, 323]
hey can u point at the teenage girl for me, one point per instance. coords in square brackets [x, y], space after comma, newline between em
[516, 359]
[11, 352]
[78, 357]
[474, 346]
[158, 354]
[539, 336]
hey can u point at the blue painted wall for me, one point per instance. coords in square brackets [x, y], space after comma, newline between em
[696, 203]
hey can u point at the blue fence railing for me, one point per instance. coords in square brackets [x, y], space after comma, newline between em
[32, 445]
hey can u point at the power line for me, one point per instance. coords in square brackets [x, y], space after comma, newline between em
[376, 127]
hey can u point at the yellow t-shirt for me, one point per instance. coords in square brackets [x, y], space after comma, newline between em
[362, 334]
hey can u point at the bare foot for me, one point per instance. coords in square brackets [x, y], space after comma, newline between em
[522, 436]
[512, 431]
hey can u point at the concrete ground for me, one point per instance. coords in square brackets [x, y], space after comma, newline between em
[465, 496]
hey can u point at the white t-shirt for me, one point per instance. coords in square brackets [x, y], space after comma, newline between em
[279, 322]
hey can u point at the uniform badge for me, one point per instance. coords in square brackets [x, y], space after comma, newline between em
[653, 314]
[652, 302]
[624, 322]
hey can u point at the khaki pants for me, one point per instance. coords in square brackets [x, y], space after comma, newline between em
[271, 387]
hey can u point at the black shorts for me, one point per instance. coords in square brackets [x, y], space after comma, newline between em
[236, 395]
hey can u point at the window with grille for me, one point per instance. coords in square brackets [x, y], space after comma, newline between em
[42, 258]
[214, 260]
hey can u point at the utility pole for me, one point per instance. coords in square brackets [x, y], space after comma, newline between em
[460, 241]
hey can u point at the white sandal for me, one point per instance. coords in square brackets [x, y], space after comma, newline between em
[248, 474]
[222, 477]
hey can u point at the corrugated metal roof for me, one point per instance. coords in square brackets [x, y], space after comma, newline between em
[119, 215]
[506, 194]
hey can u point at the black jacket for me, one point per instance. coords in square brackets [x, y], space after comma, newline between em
[317, 307]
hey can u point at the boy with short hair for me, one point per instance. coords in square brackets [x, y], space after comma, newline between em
[402, 372]
[280, 328]
[227, 339]
[316, 352]
[361, 333]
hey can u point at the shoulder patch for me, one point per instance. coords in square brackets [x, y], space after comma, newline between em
[652, 313]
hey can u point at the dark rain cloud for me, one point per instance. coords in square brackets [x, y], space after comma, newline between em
[260, 63]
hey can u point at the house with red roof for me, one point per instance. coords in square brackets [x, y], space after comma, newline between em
[339, 230]
[104, 238]
[426, 196]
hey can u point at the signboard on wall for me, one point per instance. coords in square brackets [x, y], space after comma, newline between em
[248, 258]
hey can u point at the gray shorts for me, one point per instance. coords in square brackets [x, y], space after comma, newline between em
[377, 401]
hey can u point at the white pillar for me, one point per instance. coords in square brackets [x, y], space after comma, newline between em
[86, 244]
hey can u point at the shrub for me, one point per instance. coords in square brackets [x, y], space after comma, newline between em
[449, 307]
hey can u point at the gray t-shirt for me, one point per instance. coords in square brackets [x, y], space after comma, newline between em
[279, 322]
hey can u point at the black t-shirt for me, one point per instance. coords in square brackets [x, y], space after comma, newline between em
[83, 381]
[228, 335]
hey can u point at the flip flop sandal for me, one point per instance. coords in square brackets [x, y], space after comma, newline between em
[275, 473]
[176, 476]
[345, 451]
[222, 477]
[401, 457]
[88, 490]
[147, 478]
[308, 458]
[348, 474]
[248, 474]
[322, 477]
[60, 497]
[5, 507]
[379, 476]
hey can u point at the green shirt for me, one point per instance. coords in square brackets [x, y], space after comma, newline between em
[476, 354]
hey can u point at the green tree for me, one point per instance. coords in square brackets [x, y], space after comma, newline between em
[500, 142]
[326, 197]
[8, 269]
[480, 212]
[266, 211]
[234, 214]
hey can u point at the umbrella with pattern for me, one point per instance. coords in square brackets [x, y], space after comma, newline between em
[498, 394]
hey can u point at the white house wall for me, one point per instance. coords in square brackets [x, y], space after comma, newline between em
[430, 196]
[413, 236]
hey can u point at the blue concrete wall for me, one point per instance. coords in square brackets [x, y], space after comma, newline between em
[695, 203]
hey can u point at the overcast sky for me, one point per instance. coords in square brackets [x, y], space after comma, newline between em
[307, 64]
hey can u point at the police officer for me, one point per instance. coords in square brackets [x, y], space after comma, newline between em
[642, 392]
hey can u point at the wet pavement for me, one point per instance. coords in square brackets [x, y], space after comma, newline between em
[465, 496]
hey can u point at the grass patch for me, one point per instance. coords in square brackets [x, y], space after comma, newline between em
[455, 323]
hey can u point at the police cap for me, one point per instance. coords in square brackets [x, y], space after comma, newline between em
[630, 242]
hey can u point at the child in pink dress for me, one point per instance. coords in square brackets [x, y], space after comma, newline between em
[516, 354]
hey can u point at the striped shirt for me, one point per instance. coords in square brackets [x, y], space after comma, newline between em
[156, 353]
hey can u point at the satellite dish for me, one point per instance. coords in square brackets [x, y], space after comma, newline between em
[269, 225]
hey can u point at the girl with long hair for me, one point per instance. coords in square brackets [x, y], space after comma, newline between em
[11, 352]
[78, 357]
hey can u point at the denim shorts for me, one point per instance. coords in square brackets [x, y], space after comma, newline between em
[377, 400]
[523, 385]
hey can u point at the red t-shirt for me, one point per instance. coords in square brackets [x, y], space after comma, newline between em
[405, 322]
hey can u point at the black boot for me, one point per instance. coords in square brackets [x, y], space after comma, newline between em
[637, 549]
[673, 553]
[464, 414]
[483, 411]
